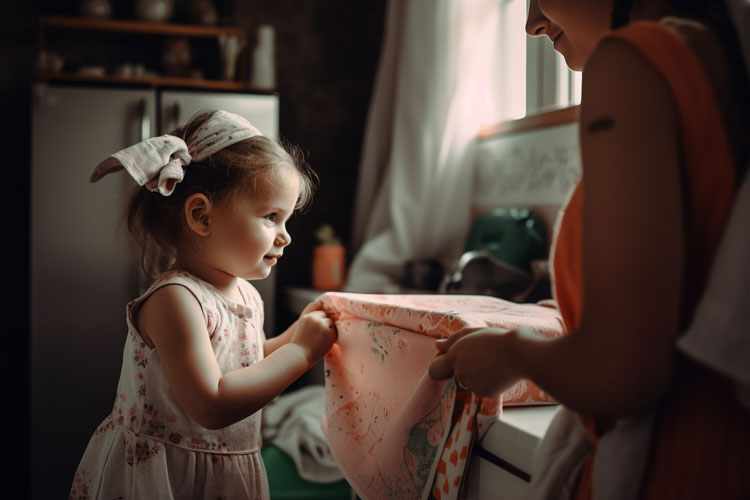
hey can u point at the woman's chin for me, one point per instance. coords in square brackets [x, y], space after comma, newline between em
[572, 61]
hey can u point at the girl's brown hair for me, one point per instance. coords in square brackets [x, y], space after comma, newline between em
[156, 222]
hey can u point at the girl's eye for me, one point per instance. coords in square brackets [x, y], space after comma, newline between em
[271, 217]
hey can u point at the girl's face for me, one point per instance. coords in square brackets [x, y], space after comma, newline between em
[248, 237]
[573, 26]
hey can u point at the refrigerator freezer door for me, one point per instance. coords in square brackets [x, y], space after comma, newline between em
[262, 110]
[83, 271]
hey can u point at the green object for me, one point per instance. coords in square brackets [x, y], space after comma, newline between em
[285, 482]
[326, 235]
[513, 236]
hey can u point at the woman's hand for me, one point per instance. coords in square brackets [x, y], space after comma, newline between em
[479, 359]
[315, 332]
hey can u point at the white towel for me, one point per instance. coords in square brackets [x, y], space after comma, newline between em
[292, 423]
[559, 458]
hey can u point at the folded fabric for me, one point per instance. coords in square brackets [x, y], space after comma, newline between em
[292, 423]
[394, 431]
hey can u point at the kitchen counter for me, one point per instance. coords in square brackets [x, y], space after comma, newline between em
[501, 462]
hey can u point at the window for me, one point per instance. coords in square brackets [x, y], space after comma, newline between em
[533, 80]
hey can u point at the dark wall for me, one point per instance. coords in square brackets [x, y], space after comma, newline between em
[326, 52]
[17, 56]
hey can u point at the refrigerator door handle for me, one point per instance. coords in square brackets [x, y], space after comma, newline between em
[176, 111]
[145, 120]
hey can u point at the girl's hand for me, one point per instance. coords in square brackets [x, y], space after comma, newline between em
[312, 306]
[479, 359]
[315, 332]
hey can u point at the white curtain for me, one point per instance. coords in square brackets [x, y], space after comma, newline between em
[434, 89]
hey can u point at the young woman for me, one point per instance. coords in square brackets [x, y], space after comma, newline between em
[663, 148]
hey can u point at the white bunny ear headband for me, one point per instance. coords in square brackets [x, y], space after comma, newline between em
[159, 163]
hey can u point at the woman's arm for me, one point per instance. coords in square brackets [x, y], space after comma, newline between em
[172, 319]
[620, 360]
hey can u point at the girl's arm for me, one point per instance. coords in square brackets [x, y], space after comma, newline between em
[274, 343]
[172, 319]
[620, 360]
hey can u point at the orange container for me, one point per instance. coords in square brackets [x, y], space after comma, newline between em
[328, 267]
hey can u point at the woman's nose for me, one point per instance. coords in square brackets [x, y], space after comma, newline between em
[536, 23]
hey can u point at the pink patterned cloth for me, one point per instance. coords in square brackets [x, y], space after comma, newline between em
[396, 432]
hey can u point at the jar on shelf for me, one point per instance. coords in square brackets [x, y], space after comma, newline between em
[158, 11]
[264, 63]
[202, 12]
[95, 8]
[329, 261]
[176, 57]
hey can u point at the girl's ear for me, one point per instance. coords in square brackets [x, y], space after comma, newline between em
[197, 208]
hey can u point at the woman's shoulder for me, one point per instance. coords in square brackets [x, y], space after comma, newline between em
[621, 78]
[682, 57]
[675, 48]
[701, 39]
[706, 46]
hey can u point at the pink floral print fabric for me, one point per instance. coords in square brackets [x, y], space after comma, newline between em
[394, 431]
[148, 446]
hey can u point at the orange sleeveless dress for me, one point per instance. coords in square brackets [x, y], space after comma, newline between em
[701, 444]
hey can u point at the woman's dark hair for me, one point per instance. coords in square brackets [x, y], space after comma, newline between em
[156, 222]
[621, 13]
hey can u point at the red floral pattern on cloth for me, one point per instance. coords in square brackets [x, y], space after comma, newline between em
[394, 431]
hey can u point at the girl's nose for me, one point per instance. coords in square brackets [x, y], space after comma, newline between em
[536, 23]
[283, 239]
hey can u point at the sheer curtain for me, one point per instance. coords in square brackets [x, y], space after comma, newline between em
[435, 87]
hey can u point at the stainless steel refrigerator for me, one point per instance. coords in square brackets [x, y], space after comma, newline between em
[83, 271]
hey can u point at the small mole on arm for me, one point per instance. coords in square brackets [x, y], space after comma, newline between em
[601, 124]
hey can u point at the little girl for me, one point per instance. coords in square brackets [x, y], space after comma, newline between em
[196, 366]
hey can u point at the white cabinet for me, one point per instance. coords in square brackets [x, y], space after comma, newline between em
[83, 270]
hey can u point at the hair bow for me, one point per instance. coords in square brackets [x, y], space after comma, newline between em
[159, 162]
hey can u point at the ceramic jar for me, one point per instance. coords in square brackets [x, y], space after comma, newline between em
[95, 8]
[328, 267]
[154, 10]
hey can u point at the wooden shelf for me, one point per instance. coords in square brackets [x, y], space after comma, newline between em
[102, 27]
[551, 118]
[152, 81]
[139, 27]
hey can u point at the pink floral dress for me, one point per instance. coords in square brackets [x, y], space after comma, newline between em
[149, 447]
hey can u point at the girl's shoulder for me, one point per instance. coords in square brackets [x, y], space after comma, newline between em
[203, 293]
[161, 299]
[196, 286]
